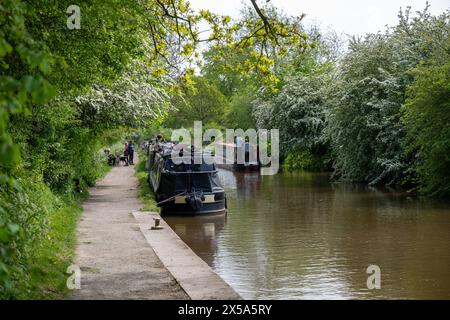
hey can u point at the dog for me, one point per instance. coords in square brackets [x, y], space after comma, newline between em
[123, 160]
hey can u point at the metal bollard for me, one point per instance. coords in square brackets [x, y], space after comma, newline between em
[157, 222]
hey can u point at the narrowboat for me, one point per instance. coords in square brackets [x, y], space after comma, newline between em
[184, 189]
[246, 164]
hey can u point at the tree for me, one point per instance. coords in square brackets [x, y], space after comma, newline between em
[262, 36]
[133, 101]
[202, 103]
[240, 90]
[240, 112]
[298, 109]
[427, 118]
[364, 121]
[23, 67]
[363, 124]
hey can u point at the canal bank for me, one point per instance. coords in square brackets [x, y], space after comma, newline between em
[120, 257]
[194, 275]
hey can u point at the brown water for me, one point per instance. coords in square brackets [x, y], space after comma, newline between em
[296, 236]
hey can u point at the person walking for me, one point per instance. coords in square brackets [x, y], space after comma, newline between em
[126, 154]
[131, 152]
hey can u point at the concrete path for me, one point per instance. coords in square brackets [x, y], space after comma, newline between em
[115, 259]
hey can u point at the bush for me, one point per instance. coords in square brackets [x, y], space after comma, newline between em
[26, 209]
[364, 125]
[298, 161]
[38, 218]
[427, 117]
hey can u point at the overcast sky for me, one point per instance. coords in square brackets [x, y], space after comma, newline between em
[350, 17]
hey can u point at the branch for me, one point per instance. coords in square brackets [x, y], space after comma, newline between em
[265, 20]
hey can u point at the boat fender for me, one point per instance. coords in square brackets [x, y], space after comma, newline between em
[195, 202]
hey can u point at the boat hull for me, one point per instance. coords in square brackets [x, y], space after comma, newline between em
[184, 209]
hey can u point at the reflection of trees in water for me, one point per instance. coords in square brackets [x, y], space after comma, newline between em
[247, 185]
[199, 233]
[240, 185]
[267, 233]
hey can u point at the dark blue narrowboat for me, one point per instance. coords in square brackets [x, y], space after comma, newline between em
[186, 188]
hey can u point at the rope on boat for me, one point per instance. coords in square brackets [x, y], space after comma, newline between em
[171, 198]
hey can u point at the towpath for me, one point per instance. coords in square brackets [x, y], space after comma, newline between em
[115, 259]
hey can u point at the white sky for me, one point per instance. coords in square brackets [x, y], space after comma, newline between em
[350, 17]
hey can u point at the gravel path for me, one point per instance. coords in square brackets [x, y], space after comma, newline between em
[116, 261]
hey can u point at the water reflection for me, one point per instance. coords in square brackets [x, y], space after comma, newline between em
[296, 236]
[199, 233]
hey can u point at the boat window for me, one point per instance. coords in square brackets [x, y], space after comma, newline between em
[202, 182]
[170, 166]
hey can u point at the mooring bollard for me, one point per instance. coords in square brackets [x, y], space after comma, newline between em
[157, 222]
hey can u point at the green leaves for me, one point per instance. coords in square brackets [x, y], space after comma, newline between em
[40, 89]
[31, 83]
[299, 111]
[5, 48]
[135, 100]
[23, 62]
[8, 231]
[176, 34]
[370, 142]
[263, 36]
[355, 109]
[9, 154]
[202, 101]
[34, 59]
[43, 93]
[426, 116]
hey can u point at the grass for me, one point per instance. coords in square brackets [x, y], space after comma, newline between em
[145, 194]
[52, 256]
[47, 272]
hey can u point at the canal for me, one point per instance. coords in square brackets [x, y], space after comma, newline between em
[297, 236]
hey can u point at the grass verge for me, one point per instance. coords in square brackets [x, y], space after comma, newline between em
[145, 194]
[55, 252]
[52, 255]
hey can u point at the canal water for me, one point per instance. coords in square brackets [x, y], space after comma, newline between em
[297, 236]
